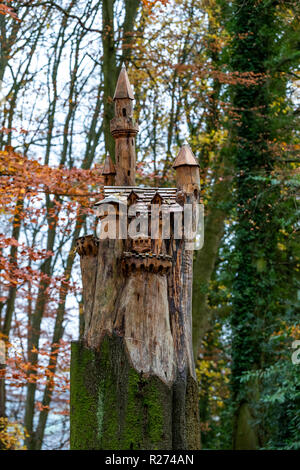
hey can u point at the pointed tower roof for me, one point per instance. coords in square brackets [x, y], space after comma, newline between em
[186, 157]
[109, 167]
[123, 88]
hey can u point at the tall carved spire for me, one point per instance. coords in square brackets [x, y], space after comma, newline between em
[187, 170]
[124, 129]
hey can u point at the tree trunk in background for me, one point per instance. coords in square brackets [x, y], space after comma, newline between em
[111, 67]
[205, 259]
[219, 195]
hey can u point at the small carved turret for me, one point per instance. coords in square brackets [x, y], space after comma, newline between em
[87, 246]
[109, 171]
[187, 171]
[124, 129]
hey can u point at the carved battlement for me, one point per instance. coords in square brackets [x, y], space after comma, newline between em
[151, 262]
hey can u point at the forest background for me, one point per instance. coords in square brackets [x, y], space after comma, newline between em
[223, 75]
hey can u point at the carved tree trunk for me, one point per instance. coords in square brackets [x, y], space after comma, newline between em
[133, 383]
